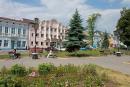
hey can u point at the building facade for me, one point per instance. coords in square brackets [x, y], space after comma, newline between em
[49, 32]
[97, 39]
[13, 34]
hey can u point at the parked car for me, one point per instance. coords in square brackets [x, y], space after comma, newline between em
[86, 48]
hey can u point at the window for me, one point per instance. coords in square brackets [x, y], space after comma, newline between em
[47, 43]
[32, 34]
[32, 43]
[5, 43]
[13, 31]
[0, 43]
[55, 30]
[42, 28]
[51, 30]
[54, 36]
[18, 43]
[19, 31]
[0, 29]
[24, 31]
[47, 29]
[6, 30]
[51, 36]
[42, 43]
[46, 35]
[36, 43]
[23, 43]
[42, 35]
[37, 35]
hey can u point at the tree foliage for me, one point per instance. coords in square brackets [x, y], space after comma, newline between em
[75, 33]
[105, 43]
[91, 26]
[123, 26]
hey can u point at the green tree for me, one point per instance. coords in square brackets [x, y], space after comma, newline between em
[75, 33]
[123, 27]
[91, 26]
[105, 43]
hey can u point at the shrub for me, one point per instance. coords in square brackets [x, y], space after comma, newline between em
[93, 81]
[70, 68]
[45, 68]
[4, 71]
[18, 70]
[78, 54]
[89, 69]
[30, 69]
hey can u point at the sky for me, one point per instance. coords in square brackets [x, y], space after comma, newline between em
[62, 10]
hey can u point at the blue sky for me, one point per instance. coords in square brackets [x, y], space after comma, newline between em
[62, 10]
[101, 4]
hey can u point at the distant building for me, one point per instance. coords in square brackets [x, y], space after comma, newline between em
[98, 37]
[13, 34]
[49, 32]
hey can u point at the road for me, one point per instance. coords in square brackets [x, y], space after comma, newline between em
[121, 64]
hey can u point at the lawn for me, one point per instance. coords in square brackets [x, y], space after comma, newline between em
[86, 53]
[64, 54]
[6, 55]
[121, 80]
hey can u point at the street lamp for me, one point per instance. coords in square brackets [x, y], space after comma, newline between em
[36, 26]
[117, 33]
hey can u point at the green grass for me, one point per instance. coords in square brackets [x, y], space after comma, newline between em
[64, 54]
[86, 53]
[54, 76]
[6, 56]
[58, 76]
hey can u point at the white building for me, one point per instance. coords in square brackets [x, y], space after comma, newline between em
[13, 34]
[50, 31]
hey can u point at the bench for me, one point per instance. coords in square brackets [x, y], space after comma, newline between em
[118, 53]
[103, 52]
[38, 50]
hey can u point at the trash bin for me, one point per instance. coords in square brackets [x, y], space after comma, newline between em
[118, 53]
[34, 55]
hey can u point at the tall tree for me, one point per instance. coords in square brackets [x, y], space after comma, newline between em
[91, 26]
[75, 33]
[123, 27]
[105, 43]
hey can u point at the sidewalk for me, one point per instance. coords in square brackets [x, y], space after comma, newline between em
[112, 62]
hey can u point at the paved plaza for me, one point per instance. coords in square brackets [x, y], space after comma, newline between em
[121, 64]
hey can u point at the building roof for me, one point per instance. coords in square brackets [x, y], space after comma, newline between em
[21, 21]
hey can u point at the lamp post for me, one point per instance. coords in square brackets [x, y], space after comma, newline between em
[36, 25]
[117, 33]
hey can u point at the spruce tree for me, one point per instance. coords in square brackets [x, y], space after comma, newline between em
[75, 33]
[105, 43]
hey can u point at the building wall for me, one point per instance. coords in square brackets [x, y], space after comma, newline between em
[16, 36]
[48, 31]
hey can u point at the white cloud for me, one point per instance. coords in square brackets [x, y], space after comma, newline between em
[112, 0]
[127, 2]
[61, 10]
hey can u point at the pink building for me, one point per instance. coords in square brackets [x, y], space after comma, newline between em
[49, 31]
